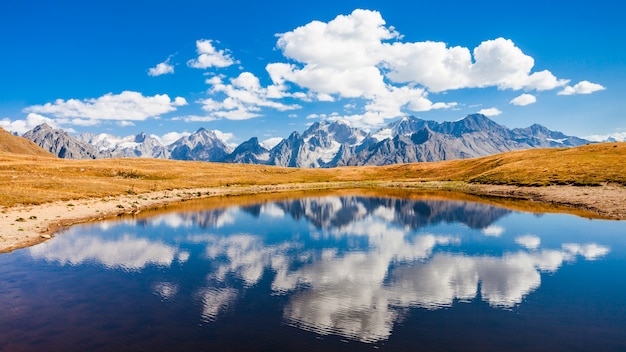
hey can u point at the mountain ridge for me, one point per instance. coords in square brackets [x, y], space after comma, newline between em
[324, 144]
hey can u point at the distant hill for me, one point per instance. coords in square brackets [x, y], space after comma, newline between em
[18, 145]
[323, 145]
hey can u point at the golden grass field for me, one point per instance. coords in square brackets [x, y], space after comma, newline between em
[29, 175]
[36, 179]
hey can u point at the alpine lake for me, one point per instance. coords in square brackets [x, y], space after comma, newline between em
[322, 272]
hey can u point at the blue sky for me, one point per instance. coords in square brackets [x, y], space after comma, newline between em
[265, 69]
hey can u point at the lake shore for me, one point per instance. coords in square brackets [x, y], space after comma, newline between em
[24, 226]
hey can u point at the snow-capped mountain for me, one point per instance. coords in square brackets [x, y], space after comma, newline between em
[414, 140]
[202, 145]
[249, 152]
[138, 146]
[318, 146]
[323, 144]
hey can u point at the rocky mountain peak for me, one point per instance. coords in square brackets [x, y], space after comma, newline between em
[323, 144]
[61, 143]
[202, 145]
[140, 138]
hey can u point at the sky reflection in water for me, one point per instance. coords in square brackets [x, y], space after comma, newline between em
[351, 267]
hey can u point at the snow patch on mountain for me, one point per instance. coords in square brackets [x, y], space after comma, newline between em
[382, 134]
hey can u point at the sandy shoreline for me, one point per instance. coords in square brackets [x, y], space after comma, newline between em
[23, 226]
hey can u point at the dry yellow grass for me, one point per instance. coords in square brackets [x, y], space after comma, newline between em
[12, 144]
[30, 179]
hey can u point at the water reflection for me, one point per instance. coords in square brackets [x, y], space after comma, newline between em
[127, 252]
[349, 266]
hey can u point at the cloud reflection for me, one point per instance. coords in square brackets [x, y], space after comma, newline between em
[350, 295]
[127, 253]
[165, 290]
[528, 241]
[493, 231]
[215, 301]
[591, 251]
[362, 264]
[360, 293]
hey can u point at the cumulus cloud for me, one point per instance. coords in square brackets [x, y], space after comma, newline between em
[355, 48]
[359, 56]
[209, 56]
[271, 142]
[125, 123]
[225, 137]
[172, 137]
[524, 99]
[582, 87]
[617, 136]
[243, 98]
[162, 68]
[496, 63]
[126, 106]
[22, 126]
[490, 112]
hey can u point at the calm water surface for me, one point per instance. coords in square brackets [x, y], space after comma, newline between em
[326, 273]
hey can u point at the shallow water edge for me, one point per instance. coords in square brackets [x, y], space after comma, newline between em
[25, 226]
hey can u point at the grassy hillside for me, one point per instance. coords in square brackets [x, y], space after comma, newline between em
[31, 179]
[589, 165]
[13, 144]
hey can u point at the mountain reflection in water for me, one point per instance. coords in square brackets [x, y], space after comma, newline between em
[347, 266]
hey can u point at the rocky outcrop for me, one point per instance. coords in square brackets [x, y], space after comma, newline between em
[61, 143]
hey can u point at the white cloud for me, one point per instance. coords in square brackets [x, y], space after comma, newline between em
[346, 42]
[502, 64]
[171, 137]
[196, 118]
[582, 87]
[359, 56]
[209, 56]
[22, 126]
[225, 137]
[618, 136]
[345, 57]
[126, 106]
[523, 100]
[490, 112]
[244, 98]
[162, 68]
[271, 142]
[125, 123]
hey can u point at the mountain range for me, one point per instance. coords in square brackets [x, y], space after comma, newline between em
[323, 144]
